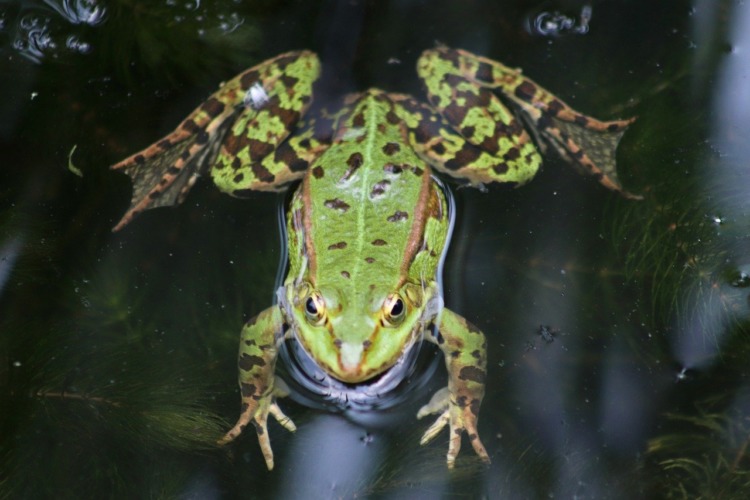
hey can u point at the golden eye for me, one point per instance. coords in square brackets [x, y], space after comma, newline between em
[315, 309]
[394, 309]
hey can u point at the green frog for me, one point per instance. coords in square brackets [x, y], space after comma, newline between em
[367, 222]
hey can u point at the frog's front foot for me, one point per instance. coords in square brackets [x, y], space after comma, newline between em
[460, 419]
[257, 412]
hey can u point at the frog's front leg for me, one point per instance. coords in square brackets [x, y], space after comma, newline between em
[465, 353]
[239, 135]
[259, 343]
[459, 86]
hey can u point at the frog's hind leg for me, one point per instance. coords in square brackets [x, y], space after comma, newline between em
[587, 143]
[232, 135]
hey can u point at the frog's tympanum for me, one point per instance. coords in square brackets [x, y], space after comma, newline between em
[367, 222]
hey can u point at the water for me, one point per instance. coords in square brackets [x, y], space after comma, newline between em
[617, 330]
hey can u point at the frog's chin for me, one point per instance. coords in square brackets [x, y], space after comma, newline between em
[356, 374]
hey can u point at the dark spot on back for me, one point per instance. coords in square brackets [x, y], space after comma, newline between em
[337, 204]
[391, 148]
[379, 188]
[398, 215]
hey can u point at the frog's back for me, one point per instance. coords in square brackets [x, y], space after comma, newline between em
[365, 199]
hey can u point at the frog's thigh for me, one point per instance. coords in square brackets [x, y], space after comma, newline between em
[507, 155]
[265, 149]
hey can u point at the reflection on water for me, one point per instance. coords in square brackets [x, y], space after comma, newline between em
[118, 351]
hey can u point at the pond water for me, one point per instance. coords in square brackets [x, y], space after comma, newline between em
[617, 329]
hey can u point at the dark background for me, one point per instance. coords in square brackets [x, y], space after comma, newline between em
[117, 351]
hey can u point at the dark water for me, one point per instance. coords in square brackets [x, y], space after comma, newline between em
[618, 346]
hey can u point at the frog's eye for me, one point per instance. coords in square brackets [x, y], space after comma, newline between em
[315, 309]
[393, 309]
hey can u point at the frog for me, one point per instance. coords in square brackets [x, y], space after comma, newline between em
[367, 222]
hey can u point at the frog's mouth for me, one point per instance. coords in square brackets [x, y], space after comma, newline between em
[313, 386]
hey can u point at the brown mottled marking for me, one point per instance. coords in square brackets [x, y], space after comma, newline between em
[248, 390]
[191, 127]
[346, 274]
[288, 80]
[337, 204]
[474, 406]
[379, 242]
[238, 178]
[337, 343]
[201, 137]
[392, 117]
[318, 172]
[247, 362]
[465, 156]
[525, 91]
[358, 120]
[262, 173]
[484, 72]
[500, 168]
[285, 154]
[397, 216]
[139, 159]
[417, 171]
[369, 260]
[555, 107]
[248, 79]
[513, 154]
[392, 169]
[366, 344]
[473, 374]
[213, 107]
[337, 246]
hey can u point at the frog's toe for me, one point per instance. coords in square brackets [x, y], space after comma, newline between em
[236, 430]
[281, 418]
[435, 428]
[264, 440]
[476, 443]
[454, 446]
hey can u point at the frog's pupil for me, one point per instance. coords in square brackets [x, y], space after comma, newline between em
[311, 307]
[398, 307]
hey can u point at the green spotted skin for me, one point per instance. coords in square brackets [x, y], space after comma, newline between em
[367, 223]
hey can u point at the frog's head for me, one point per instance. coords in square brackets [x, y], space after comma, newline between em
[357, 336]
